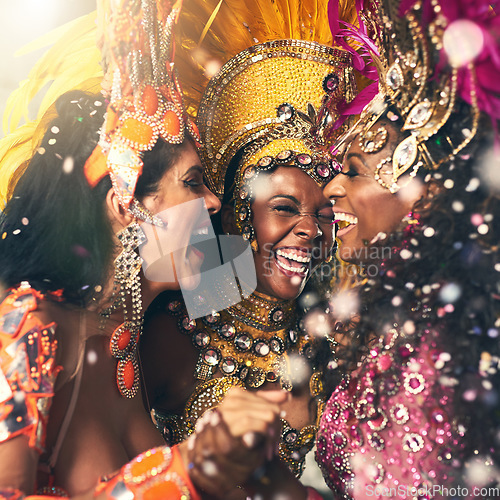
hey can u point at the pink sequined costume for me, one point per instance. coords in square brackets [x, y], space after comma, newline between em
[418, 417]
[386, 429]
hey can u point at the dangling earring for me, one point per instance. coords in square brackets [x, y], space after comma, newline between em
[139, 211]
[254, 245]
[123, 343]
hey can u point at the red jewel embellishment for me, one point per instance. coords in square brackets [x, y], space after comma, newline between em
[123, 345]
[128, 374]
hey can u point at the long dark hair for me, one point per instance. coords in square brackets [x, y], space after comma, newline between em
[443, 278]
[55, 232]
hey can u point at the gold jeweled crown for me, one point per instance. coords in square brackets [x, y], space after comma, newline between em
[270, 93]
[425, 81]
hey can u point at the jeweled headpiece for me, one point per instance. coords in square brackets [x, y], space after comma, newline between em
[432, 56]
[280, 96]
[278, 101]
[145, 101]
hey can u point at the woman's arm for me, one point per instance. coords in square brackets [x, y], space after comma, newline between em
[238, 448]
[28, 372]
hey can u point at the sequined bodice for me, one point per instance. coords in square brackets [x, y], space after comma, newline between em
[388, 425]
[246, 346]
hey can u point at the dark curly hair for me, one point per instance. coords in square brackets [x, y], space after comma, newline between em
[443, 276]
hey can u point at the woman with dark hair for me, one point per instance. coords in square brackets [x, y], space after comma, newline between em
[73, 237]
[416, 412]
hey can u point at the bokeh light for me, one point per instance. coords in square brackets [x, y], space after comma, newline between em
[317, 323]
[463, 41]
[344, 305]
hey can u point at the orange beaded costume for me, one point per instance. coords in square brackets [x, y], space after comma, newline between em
[27, 367]
[28, 372]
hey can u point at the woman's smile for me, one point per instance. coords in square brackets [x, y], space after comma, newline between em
[293, 261]
[345, 222]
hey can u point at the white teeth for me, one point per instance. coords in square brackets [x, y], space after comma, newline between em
[292, 256]
[339, 216]
[301, 269]
[203, 230]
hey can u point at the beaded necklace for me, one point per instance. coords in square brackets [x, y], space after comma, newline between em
[248, 341]
[248, 344]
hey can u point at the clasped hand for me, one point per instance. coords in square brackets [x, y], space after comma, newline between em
[233, 441]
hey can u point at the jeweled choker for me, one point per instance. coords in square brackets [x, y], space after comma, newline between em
[247, 341]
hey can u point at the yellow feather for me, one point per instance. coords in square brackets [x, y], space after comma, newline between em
[72, 59]
[15, 149]
[230, 26]
[72, 62]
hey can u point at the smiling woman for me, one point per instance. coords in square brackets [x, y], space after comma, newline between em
[255, 119]
[363, 207]
[71, 314]
[184, 204]
[415, 412]
[293, 224]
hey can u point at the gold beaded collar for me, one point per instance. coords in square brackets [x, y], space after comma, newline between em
[247, 345]
[248, 341]
[266, 313]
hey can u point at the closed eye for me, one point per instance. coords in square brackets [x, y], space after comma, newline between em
[352, 172]
[191, 183]
[285, 210]
[193, 178]
[326, 216]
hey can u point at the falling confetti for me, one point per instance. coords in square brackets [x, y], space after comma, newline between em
[68, 165]
[317, 323]
[344, 305]
[463, 41]
[91, 357]
[450, 293]
[300, 371]
[479, 472]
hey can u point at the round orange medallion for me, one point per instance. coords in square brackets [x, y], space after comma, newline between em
[161, 490]
[150, 100]
[136, 131]
[147, 462]
[171, 123]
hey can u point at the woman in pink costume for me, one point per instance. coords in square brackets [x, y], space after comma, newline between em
[415, 414]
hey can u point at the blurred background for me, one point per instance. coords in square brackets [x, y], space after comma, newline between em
[21, 22]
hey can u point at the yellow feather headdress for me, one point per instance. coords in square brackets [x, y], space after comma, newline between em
[264, 55]
[211, 32]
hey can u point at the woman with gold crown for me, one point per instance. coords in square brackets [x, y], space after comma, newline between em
[416, 413]
[106, 171]
[264, 130]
